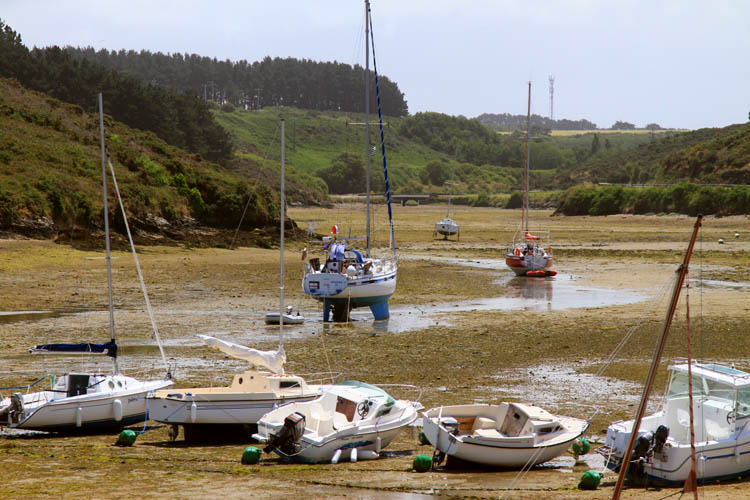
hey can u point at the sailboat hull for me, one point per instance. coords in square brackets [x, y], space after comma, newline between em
[446, 227]
[521, 266]
[98, 411]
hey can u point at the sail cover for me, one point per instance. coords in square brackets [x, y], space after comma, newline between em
[272, 360]
[108, 348]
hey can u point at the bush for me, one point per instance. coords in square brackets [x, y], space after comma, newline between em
[482, 200]
[515, 200]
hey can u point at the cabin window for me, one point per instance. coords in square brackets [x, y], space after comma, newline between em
[678, 387]
[286, 384]
[743, 403]
[717, 390]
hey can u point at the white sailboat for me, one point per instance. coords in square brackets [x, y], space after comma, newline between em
[347, 279]
[86, 402]
[527, 256]
[502, 435]
[206, 412]
[350, 421]
[447, 226]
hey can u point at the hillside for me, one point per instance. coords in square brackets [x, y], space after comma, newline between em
[50, 178]
[705, 156]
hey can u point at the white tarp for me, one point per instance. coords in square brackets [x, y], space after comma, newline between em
[272, 360]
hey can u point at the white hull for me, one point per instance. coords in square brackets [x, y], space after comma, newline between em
[721, 428]
[55, 412]
[289, 319]
[333, 424]
[381, 282]
[216, 408]
[482, 433]
[446, 227]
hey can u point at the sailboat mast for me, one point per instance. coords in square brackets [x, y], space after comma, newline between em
[106, 229]
[680, 280]
[367, 117]
[526, 166]
[282, 202]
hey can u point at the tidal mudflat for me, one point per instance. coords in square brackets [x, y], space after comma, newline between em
[449, 334]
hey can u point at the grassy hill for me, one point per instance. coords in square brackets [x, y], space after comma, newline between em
[50, 175]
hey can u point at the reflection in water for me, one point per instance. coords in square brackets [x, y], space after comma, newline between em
[538, 290]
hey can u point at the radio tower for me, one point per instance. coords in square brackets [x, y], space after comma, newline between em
[551, 96]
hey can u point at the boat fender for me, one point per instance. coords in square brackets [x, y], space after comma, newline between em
[377, 444]
[421, 463]
[251, 455]
[117, 410]
[581, 447]
[193, 412]
[79, 418]
[126, 438]
[336, 456]
[353, 455]
[367, 455]
[590, 480]
[518, 252]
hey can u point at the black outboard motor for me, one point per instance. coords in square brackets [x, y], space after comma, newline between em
[640, 455]
[660, 437]
[287, 440]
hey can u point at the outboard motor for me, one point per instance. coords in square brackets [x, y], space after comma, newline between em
[288, 438]
[640, 455]
[660, 437]
[16, 412]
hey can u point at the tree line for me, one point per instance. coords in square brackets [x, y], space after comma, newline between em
[506, 121]
[180, 118]
[276, 81]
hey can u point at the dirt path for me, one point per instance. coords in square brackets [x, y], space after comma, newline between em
[442, 338]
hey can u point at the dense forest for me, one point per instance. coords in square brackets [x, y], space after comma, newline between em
[178, 117]
[302, 83]
[505, 121]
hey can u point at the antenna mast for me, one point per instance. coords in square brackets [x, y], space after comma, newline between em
[551, 97]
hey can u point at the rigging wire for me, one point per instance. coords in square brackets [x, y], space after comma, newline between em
[257, 178]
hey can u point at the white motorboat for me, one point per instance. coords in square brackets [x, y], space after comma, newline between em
[272, 318]
[349, 421]
[504, 435]
[347, 279]
[526, 256]
[203, 411]
[721, 406]
[87, 402]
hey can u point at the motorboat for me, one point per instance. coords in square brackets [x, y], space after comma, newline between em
[78, 402]
[272, 318]
[508, 434]
[351, 420]
[662, 452]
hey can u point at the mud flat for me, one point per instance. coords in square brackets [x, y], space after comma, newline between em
[449, 334]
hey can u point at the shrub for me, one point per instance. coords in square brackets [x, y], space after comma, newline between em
[515, 200]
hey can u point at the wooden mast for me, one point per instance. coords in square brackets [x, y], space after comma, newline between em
[681, 272]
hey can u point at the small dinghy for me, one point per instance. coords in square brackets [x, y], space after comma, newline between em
[272, 318]
[350, 420]
[504, 435]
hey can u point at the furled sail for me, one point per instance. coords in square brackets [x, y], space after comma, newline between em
[108, 348]
[272, 360]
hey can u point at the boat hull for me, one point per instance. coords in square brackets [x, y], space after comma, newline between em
[217, 408]
[88, 412]
[446, 227]
[521, 267]
[289, 319]
[489, 447]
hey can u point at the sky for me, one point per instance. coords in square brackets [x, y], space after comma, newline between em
[677, 63]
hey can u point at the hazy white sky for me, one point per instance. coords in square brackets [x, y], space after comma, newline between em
[679, 63]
